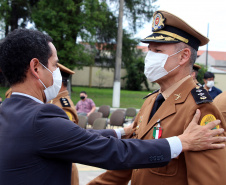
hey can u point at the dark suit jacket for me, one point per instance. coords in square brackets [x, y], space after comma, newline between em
[214, 92]
[38, 144]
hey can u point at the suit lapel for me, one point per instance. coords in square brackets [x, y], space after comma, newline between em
[167, 108]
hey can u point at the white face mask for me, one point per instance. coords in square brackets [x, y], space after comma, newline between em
[52, 91]
[154, 65]
[210, 83]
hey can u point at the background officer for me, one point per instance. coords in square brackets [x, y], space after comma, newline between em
[63, 99]
[195, 72]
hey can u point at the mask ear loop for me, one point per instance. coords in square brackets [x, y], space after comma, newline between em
[178, 65]
[42, 83]
[46, 68]
[176, 52]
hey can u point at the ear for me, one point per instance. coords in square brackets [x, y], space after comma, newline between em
[35, 67]
[185, 56]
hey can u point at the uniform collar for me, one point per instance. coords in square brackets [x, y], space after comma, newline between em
[172, 88]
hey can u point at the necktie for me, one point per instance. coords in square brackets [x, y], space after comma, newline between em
[158, 102]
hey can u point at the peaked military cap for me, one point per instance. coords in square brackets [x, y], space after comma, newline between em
[65, 69]
[196, 67]
[168, 28]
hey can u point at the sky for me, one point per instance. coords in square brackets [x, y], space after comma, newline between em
[198, 14]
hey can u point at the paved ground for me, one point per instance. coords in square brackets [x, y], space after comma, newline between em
[87, 173]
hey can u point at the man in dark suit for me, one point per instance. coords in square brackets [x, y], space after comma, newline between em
[38, 143]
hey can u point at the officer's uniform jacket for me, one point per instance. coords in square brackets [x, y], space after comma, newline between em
[176, 112]
[220, 102]
[64, 101]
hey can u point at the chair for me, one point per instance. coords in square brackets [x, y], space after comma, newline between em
[93, 116]
[117, 118]
[82, 121]
[105, 109]
[100, 123]
[130, 113]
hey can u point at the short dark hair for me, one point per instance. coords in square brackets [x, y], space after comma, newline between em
[208, 75]
[18, 49]
[83, 92]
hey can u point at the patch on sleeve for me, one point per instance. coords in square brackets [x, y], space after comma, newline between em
[64, 102]
[201, 95]
[69, 115]
[151, 94]
[208, 118]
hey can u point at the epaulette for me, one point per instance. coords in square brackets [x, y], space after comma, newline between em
[201, 95]
[64, 102]
[151, 93]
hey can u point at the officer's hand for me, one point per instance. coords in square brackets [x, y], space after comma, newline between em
[197, 137]
[128, 129]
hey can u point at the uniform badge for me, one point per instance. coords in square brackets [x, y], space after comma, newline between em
[208, 118]
[64, 102]
[69, 115]
[157, 132]
[158, 22]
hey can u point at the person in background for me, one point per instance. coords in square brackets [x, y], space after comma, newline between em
[0, 100]
[64, 101]
[85, 106]
[209, 84]
[195, 72]
[173, 46]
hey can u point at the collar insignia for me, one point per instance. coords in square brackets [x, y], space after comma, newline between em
[177, 96]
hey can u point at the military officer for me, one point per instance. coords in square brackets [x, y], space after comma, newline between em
[173, 47]
[194, 73]
[64, 101]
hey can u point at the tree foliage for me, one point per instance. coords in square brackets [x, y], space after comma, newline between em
[201, 73]
[92, 22]
[15, 13]
[66, 21]
[136, 11]
[133, 60]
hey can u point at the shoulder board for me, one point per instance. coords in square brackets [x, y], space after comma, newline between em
[201, 95]
[64, 102]
[151, 93]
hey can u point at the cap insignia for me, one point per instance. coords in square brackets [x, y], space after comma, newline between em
[158, 22]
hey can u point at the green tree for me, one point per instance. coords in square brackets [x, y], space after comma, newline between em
[136, 12]
[133, 60]
[66, 21]
[201, 73]
[15, 13]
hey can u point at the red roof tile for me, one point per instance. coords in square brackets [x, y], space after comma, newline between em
[217, 55]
